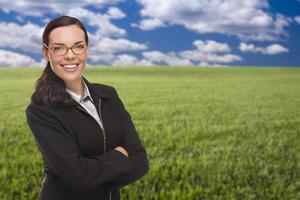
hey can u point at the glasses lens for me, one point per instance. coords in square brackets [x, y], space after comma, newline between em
[59, 50]
[62, 50]
[78, 48]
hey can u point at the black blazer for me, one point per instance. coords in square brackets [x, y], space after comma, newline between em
[79, 162]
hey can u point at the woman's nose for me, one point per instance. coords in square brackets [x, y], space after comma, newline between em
[69, 55]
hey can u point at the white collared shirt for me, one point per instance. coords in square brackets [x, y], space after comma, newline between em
[86, 102]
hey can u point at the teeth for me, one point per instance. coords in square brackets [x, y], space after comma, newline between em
[71, 66]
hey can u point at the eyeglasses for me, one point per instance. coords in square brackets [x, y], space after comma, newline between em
[61, 50]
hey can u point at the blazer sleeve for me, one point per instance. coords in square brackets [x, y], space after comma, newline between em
[62, 155]
[136, 151]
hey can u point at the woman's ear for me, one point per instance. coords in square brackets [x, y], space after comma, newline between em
[45, 53]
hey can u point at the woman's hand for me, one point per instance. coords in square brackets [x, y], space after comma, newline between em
[122, 150]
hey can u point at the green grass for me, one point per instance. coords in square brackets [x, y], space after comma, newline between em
[211, 133]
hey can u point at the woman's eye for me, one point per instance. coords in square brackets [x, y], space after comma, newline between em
[58, 48]
[80, 46]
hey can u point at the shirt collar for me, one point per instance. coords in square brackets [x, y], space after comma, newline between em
[85, 96]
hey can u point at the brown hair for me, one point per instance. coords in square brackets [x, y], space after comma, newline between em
[49, 88]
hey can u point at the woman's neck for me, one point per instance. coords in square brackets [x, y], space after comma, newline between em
[75, 86]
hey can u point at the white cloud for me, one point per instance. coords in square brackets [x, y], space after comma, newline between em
[276, 49]
[207, 53]
[297, 19]
[209, 57]
[12, 35]
[247, 20]
[211, 46]
[101, 22]
[119, 60]
[248, 47]
[115, 13]
[210, 53]
[108, 46]
[128, 60]
[104, 46]
[104, 49]
[39, 8]
[103, 58]
[25, 37]
[12, 59]
[269, 50]
[117, 45]
[169, 59]
[149, 24]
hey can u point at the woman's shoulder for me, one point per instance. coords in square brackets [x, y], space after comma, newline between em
[104, 87]
[44, 110]
[41, 108]
[103, 90]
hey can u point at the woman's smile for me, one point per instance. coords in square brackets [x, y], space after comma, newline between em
[70, 67]
[67, 53]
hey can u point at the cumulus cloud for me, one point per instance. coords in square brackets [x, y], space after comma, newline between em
[297, 19]
[39, 8]
[210, 57]
[119, 60]
[269, 50]
[12, 59]
[104, 49]
[247, 20]
[210, 52]
[206, 53]
[166, 59]
[210, 46]
[25, 37]
[116, 45]
[149, 24]
[101, 58]
[12, 34]
[115, 13]
[100, 21]
[129, 60]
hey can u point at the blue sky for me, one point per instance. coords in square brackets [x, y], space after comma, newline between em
[160, 32]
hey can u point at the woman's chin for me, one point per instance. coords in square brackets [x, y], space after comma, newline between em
[71, 77]
[71, 74]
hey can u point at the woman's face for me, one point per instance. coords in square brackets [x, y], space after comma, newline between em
[69, 66]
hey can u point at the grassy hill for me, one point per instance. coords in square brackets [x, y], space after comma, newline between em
[211, 133]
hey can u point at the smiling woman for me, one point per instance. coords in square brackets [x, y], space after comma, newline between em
[88, 141]
[67, 65]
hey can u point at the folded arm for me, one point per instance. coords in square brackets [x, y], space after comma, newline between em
[63, 156]
[136, 151]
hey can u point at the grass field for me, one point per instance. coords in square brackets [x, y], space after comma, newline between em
[211, 133]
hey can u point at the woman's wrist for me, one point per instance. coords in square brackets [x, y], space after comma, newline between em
[122, 150]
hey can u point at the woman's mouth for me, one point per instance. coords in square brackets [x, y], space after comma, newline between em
[70, 67]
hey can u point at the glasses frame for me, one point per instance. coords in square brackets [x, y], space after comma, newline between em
[67, 49]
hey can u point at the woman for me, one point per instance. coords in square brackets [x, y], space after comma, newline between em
[87, 139]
